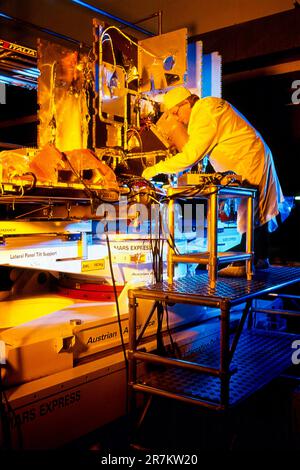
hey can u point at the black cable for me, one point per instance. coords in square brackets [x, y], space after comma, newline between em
[159, 337]
[89, 192]
[176, 351]
[158, 272]
[155, 251]
[129, 180]
[33, 185]
[157, 245]
[169, 238]
[157, 267]
[172, 244]
[161, 250]
[116, 300]
[194, 190]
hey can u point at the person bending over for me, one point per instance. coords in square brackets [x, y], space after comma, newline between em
[217, 129]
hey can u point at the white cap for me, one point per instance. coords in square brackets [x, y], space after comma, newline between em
[175, 96]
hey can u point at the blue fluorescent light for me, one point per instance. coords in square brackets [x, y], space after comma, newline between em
[3, 15]
[58, 35]
[32, 73]
[112, 17]
[45, 30]
[16, 81]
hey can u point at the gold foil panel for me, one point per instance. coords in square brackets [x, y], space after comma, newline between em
[166, 64]
[62, 97]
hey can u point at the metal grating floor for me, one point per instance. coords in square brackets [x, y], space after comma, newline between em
[260, 357]
[235, 290]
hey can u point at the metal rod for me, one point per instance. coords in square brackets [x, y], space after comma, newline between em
[199, 258]
[171, 233]
[144, 412]
[148, 357]
[231, 191]
[177, 396]
[178, 298]
[212, 223]
[289, 377]
[146, 18]
[284, 296]
[288, 313]
[153, 153]
[239, 330]
[250, 237]
[19, 121]
[225, 192]
[7, 145]
[132, 366]
[141, 333]
[160, 22]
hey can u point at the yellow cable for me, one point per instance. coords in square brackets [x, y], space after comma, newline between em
[130, 40]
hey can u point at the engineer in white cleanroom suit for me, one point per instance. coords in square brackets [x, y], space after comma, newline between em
[215, 128]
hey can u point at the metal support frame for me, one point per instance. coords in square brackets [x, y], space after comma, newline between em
[134, 355]
[271, 311]
[132, 345]
[250, 238]
[162, 293]
[171, 232]
[211, 258]
[212, 224]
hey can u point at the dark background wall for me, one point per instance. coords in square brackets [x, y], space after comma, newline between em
[199, 16]
[266, 101]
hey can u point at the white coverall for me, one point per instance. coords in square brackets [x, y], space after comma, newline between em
[218, 130]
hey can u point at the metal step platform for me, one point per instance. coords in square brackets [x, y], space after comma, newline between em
[196, 289]
[260, 357]
[231, 367]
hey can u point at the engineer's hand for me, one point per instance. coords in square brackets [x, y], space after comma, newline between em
[148, 173]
